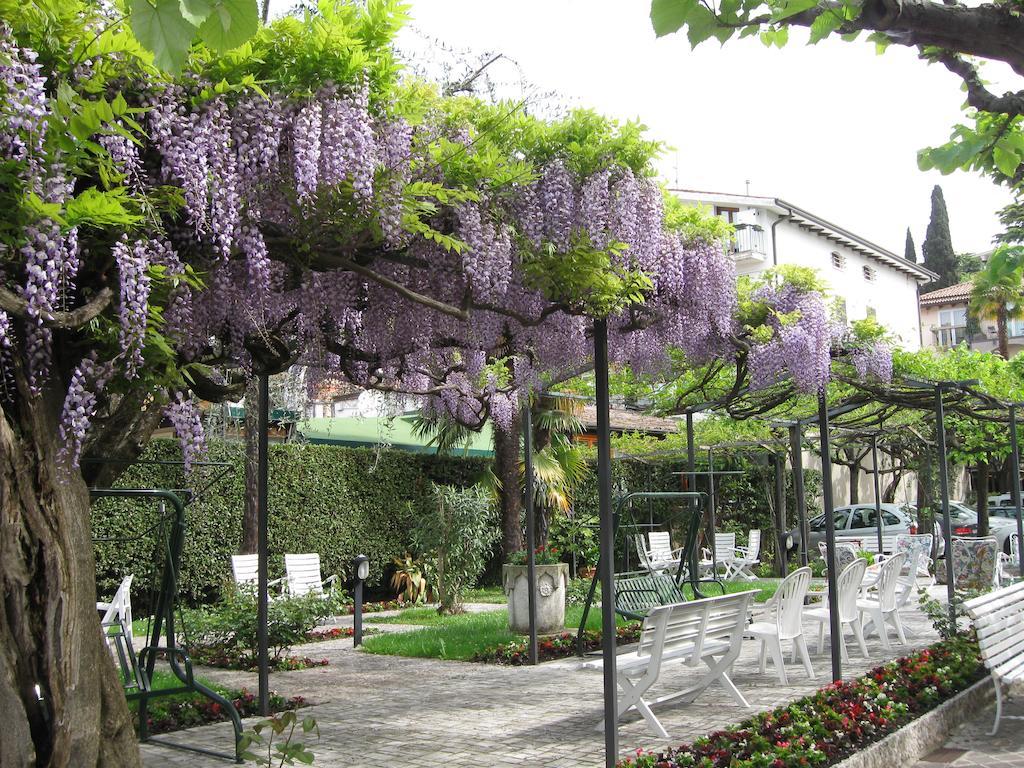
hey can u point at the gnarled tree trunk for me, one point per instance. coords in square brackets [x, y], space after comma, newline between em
[60, 696]
[506, 468]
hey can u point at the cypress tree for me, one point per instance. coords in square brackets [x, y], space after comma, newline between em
[909, 250]
[937, 248]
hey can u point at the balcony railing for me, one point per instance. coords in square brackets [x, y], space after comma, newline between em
[950, 335]
[749, 238]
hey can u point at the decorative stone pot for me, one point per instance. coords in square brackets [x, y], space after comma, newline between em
[551, 583]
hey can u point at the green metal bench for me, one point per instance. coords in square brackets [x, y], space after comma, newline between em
[637, 595]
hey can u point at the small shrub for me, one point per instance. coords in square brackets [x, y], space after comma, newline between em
[229, 629]
[577, 591]
[408, 580]
[541, 556]
[283, 751]
[456, 534]
[818, 567]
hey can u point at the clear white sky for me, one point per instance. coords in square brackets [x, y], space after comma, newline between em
[832, 128]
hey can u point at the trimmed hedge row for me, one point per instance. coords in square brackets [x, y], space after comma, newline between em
[336, 501]
[344, 501]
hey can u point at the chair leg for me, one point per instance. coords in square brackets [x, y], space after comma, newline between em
[999, 707]
[899, 627]
[762, 665]
[801, 644]
[879, 622]
[821, 637]
[843, 654]
[858, 631]
[775, 648]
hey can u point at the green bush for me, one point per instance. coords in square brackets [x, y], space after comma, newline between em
[229, 628]
[336, 501]
[455, 537]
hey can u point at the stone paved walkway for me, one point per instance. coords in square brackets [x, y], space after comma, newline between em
[385, 710]
[970, 746]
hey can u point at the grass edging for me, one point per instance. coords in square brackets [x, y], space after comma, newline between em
[924, 734]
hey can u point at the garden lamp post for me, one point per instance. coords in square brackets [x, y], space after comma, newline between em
[361, 569]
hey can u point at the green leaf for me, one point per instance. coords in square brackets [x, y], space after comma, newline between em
[792, 9]
[161, 28]
[196, 11]
[668, 16]
[701, 25]
[823, 26]
[1006, 160]
[781, 37]
[231, 24]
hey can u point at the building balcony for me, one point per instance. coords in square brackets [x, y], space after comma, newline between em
[748, 245]
[950, 335]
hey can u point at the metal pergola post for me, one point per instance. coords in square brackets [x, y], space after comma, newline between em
[691, 461]
[531, 522]
[1015, 488]
[607, 536]
[796, 453]
[712, 523]
[830, 541]
[878, 494]
[779, 459]
[940, 434]
[262, 609]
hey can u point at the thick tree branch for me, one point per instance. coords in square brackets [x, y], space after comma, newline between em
[18, 307]
[978, 96]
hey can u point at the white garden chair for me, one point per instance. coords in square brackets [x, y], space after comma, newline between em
[116, 625]
[848, 588]
[880, 605]
[656, 553]
[303, 575]
[1010, 562]
[246, 572]
[747, 557]
[784, 621]
[725, 554]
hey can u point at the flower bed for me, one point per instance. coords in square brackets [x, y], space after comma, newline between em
[385, 605]
[836, 721]
[225, 660]
[165, 715]
[560, 646]
[334, 633]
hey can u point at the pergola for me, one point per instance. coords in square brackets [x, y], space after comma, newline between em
[863, 415]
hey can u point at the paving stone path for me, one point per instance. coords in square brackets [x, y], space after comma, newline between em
[422, 713]
[970, 746]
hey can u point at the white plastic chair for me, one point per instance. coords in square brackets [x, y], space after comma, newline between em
[303, 575]
[1009, 562]
[246, 572]
[725, 554]
[656, 553]
[785, 610]
[749, 556]
[848, 587]
[882, 607]
[117, 614]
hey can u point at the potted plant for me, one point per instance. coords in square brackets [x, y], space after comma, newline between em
[552, 578]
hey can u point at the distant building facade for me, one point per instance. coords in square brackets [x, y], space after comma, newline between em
[867, 279]
[946, 322]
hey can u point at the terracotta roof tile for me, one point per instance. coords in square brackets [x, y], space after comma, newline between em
[629, 421]
[952, 294]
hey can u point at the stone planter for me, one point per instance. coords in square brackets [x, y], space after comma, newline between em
[551, 583]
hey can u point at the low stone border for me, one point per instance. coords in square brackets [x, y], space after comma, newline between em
[925, 734]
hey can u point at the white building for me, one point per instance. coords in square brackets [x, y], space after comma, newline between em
[868, 279]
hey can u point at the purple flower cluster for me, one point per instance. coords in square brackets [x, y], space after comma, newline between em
[133, 311]
[87, 383]
[188, 426]
[23, 108]
[873, 360]
[800, 342]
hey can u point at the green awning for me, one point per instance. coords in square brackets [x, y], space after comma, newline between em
[397, 432]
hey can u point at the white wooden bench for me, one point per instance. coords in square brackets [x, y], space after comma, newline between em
[708, 630]
[999, 621]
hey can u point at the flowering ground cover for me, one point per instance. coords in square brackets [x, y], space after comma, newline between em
[824, 728]
[560, 646]
[188, 710]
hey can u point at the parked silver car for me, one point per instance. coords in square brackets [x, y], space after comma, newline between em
[858, 521]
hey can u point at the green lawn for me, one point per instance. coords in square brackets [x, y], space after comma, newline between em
[459, 637]
[486, 595]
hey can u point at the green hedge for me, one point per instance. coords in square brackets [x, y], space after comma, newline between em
[343, 501]
[336, 501]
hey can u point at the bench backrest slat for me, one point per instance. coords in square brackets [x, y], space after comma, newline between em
[999, 622]
[638, 594]
[694, 623]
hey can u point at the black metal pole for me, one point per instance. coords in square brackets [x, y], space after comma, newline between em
[604, 485]
[691, 461]
[878, 491]
[835, 629]
[940, 435]
[780, 511]
[796, 453]
[712, 523]
[531, 522]
[262, 616]
[1015, 488]
[357, 613]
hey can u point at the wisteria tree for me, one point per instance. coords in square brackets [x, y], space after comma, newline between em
[289, 201]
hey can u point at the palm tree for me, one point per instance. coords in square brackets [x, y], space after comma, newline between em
[998, 291]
